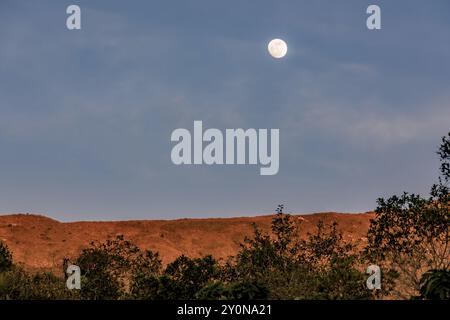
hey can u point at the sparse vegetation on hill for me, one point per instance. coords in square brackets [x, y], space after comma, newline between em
[277, 266]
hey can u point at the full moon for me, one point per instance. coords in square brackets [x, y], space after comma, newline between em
[277, 48]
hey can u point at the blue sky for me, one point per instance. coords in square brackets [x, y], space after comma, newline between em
[86, 116]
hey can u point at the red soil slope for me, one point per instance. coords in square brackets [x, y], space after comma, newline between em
[41, 243]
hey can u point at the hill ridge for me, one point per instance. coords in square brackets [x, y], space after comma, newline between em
[40, 242]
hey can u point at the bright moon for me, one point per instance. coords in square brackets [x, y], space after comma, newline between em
[277, 48]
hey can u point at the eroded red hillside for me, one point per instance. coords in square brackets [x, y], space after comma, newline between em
[41, 243]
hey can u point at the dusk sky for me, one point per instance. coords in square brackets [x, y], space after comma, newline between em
[86, 115]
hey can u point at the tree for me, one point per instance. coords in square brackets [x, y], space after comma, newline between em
[106, 268]
[331, 267]
[410, 234]
[5, 258]
[146, 270]
[181, 279]
[321, 266]
[187, 276]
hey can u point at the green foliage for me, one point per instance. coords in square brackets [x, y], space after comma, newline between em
[105, 268]
[284, 231]
[5, 258]
[181, 279]
[245, 290]
[17, 284]
[444, 155]
[435, 285]
[190, 275]
[341, 281]
[278, 265]
[213, 291]
[320, 267]
[396, 218]
[330, 267]
[146, 269]
[410, 234]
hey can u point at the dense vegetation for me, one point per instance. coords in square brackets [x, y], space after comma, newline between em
[408, 239]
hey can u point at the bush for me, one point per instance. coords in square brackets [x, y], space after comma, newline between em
[5, 258]
[246, 290]
[188, 276]
[320, 267]
[17, 284]
[106, 269]
[435, 285]
[411, 234]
